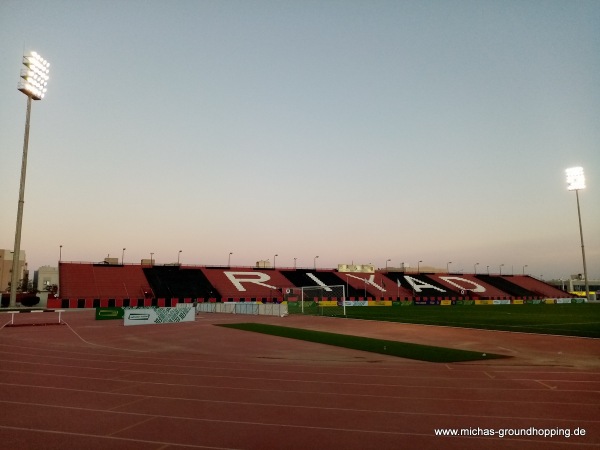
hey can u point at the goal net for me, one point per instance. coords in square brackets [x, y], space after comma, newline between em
[322, 300]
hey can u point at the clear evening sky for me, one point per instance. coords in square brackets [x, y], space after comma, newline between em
[362, 131]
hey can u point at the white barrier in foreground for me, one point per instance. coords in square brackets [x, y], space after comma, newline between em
[146, 316]
[33, 311]
[256, 309]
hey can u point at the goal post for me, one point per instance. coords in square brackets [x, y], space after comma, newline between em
[326, 296]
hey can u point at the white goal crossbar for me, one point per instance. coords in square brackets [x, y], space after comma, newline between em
[324, 291]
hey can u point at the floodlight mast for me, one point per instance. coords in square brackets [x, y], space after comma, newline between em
[576, 181]
[33, 85]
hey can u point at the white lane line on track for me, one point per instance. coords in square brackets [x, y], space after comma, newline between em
[105, 346]
[290, 426]
[260, 378]
[133, 425]
[114, 438]
[177, 445]
[546, 385]
[289, 406]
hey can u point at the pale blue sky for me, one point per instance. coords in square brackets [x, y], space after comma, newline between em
[354, 130]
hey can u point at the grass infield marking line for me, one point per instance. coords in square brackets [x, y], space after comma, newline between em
[392, 348]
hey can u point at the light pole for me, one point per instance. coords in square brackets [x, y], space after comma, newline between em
[501, 269]
[488, 269]
[419, 266]
[448, 266]
[315, 262]
[295, 263]
[475, 268]
[524, 268]
[35, 77]
[151, 260]
[178, 255]
[229, 259]
[274, 256]
[386, 261]
[576, 181]
[60, 253]
[123, 256]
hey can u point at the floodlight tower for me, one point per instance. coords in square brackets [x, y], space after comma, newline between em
[576, 181]
[33, 84]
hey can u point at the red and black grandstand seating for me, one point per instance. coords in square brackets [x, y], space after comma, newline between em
[90, 285]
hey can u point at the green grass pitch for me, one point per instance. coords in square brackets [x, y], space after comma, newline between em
[385, 347]
[560, 319]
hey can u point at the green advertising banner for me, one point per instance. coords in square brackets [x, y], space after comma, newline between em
[533, 302]
[465, 302]
[109, 313]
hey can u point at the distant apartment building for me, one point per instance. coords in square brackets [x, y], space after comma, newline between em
[6, 262]
[46, 279]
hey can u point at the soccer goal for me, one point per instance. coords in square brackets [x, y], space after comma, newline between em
[323, 297]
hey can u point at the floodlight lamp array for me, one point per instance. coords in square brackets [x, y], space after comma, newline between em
[575, 178]
[34, 76]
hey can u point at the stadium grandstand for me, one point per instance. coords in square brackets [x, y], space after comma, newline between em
[109, 284]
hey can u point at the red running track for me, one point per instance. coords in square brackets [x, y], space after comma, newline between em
[97, 385]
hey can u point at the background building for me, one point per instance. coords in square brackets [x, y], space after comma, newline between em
[46, 279]
[6, 260]
[576, 285]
